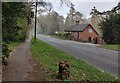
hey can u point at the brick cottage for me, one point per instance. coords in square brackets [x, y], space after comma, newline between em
[84, 33]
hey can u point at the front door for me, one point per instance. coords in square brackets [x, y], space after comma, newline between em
[95, 40]
[89, 39]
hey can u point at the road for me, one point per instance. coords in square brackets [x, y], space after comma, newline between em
[103, 59]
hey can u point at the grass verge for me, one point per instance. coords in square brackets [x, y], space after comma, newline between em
[111, 47]
[49, 57]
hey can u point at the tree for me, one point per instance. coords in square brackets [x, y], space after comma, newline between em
[68, 21]
[61, 23]
[11, 12]
[48, 6]
[48, 23]
[72, 16]
[114, 10]
[94, 11]
[41, 24]
[108, 21]
[52, 22]
[72, 12]
[37, 4]
[111, 29]
[78, 16]
[14, 23]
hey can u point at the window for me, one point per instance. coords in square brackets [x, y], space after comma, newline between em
[90, 30]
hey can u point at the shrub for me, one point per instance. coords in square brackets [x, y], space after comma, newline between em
[5, 50]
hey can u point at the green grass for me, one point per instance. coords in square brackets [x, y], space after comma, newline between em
[49, 57]
[112, 47]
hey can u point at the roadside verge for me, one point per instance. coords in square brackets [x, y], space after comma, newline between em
[49, 57]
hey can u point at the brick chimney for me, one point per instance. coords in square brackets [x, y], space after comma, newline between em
[77, 22]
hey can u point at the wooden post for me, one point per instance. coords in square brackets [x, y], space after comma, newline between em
[35, 22]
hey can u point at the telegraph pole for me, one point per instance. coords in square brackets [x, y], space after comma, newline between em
[35, 21]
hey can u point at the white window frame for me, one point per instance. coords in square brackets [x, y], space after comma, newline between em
[90, 30]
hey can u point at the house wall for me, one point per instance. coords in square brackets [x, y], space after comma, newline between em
[85, 35]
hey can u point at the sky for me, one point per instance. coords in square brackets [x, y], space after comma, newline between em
[85, 6]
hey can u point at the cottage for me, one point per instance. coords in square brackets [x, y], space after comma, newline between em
[84, 33]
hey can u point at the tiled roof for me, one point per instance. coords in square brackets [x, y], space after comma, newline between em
[79, 27]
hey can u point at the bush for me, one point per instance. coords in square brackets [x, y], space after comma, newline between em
[5, 50]
[64, 35]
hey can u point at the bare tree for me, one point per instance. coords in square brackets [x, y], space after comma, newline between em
[61, 23]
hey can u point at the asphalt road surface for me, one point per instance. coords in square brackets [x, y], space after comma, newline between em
[103, 59]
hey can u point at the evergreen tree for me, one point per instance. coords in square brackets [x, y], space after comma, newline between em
[111, 29]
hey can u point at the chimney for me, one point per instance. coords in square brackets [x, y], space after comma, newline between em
[77, 22]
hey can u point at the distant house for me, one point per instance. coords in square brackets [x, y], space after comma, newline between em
[84, 33]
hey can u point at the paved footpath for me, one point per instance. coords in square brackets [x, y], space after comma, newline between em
[22, 67]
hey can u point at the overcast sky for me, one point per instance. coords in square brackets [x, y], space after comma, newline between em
[84, 6]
